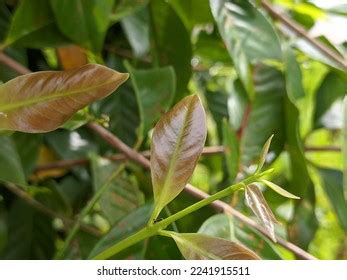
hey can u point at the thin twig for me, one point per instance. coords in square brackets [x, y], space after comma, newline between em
[302, 32]
[218, 205]
[69, 163]
[322, 149]
[16, 66]
[45, 210]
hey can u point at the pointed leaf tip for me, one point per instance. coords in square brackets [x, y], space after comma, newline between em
[43, 101]
[278, 189]
[177, 142]
[263, 154]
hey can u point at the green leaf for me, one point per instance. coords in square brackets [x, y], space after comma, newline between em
[27, 146]
[261, 209]
[219, 225]
[171, 43]
[127, 226]
[237, 104]
[177, 142]
[344, 148]
[193, 12]
[264, 153]
[332, 183]
[232, 150]
[224, 226]
[333, 87]
[266, 116]
[51, 98]
[5, 17]
[248, 36]
[124, 112]
[124, 8]
[121, 197]
[293, 75]
[31, 235]
[11, 168]
[278, 189]
[304, 222]
[155, 89]
[136, 29]
[33, 25]
[91, 17]
[196, 246]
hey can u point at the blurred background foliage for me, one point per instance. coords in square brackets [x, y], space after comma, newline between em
[256, 75]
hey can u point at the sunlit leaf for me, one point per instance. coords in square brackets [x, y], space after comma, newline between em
[279, 190]
[264, 153]
[196, 246]
[261, 209]
[177, 143]
[43, 101]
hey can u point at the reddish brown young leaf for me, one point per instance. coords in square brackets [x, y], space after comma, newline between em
[196, 246]
[178, 140]
[259, 206]
[42, 101]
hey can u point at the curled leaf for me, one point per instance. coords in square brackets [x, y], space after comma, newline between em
[196, 246]
[264, 153]
[42, 101]
[278, 189]
[260, 208]
[177, 142]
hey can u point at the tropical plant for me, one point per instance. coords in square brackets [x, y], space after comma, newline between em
[81, 79]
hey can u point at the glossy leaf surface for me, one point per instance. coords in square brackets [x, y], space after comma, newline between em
[260, 208]
[177, 142]
[91, 17]
[43, 101]
[33, 25]
[155, 89]
[195, 246]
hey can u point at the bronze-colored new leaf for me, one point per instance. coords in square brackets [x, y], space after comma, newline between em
[196, 246]
[42, 101]
[258, 204]
[177, 142]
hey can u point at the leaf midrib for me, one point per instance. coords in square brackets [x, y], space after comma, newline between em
[44, 97]
[174, 157]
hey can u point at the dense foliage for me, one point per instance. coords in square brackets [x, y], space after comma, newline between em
[66, 192]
